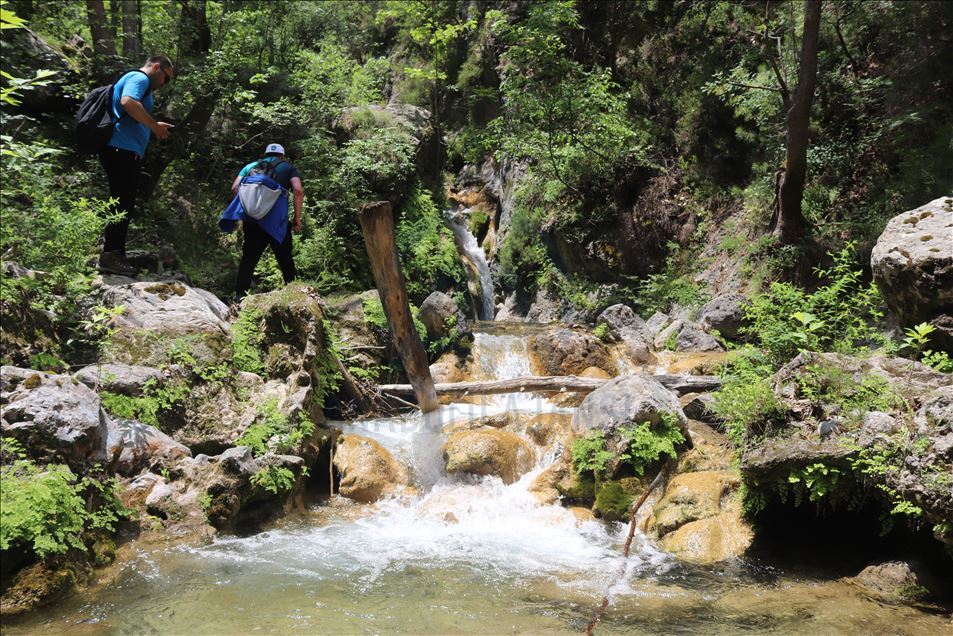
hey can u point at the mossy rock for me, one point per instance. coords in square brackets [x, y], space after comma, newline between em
[40, 584]
[612, 502]
[578, 488]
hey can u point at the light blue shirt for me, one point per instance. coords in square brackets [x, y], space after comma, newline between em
[128, 133]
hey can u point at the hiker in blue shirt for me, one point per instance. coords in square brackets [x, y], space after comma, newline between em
[272, 229]
[122, 156]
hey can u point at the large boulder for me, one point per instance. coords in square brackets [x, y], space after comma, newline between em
[567, 352]
[489, 451]
[368, 471]
[442, 318]
[893, 582]
[693, 496]
[155, 315]
[912, 264]
[626, 400]
[724, 314]
[626, 327]
[53, 417]
[710, 540]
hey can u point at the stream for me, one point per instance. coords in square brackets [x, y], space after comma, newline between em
[460, 555]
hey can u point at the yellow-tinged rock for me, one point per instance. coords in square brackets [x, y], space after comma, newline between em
[713, 539]
[489, 451]
[368, 472]
[693, 496]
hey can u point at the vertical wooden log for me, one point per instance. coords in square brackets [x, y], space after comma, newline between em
[377, 223]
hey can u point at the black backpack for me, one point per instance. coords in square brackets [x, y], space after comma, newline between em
[94, 119]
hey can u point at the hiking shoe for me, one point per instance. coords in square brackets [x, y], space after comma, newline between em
[115, 263]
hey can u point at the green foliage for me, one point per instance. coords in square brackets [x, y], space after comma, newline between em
[670, 287]
[642, 445]
[746, 400]
[916, 340]
[819, 482]
[273, 430]
[426, 247]
[44, 508]
[589, 454]
[839, 316]
[601, 331]
[645, 443]
[378, 166]
[374, 316]
[247, 338]
[854, 397]
[274, 479]
[157, 398]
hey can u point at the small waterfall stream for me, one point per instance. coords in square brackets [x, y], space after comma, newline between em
[462, 555]
[474, 261]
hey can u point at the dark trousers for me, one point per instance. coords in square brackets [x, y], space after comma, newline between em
[256, 240]
[122, 169]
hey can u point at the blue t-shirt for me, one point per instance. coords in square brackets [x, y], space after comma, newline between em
[283, 173]
[128, 133]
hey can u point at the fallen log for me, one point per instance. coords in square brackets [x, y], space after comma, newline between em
[679, 384]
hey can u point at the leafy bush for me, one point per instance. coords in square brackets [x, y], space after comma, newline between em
[589, 454]
[379, 166]
[44, 508]
[273, 430]
[426, 246]
[839, 316]
[246, 342]
[274, 479]
[374, 316]
[746, 400]
[647, 443]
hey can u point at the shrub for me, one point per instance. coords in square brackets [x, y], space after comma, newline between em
[589, 454]
[648, 443]
[426, 246]
[746, 401]
[273, 430]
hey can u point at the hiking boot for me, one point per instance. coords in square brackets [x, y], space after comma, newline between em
[115, 263]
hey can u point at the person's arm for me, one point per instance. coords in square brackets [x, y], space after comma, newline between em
[138, 112]
[298, 190]
[237, 182]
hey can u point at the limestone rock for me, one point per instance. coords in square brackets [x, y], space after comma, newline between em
[621, 319]
[53, 417]
[132, 447]
[368, 472]
[449, 368]
[912, 264]
[125, 379]
[693, 496]
[488, 451]
[891, 582]
[628, 399]
[711, 540]
[691, 338]
[700, 406]
[724, 314]
[656, 323]
[567, 352]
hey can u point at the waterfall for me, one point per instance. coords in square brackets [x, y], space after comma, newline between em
[474, 261]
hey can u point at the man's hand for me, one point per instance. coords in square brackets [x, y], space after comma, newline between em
[162, 129]
[296, 225]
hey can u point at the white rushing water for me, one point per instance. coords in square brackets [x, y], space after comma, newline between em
[474, 261]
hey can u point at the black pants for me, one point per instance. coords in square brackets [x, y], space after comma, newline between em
[256, 240]
[122, 169]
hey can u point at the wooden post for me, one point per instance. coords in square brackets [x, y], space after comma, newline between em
[377, 222]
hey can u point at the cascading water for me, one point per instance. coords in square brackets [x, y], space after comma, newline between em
[474, 262]
[462, 555]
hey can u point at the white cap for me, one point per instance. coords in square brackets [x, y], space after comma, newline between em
[275, 148]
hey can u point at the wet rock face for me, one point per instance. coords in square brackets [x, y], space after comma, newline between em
[629, 399]
[488, 451]
[368, 472]
[892, 582]
[567, 352]
[53, 418]
[693, 496]
[912, 264]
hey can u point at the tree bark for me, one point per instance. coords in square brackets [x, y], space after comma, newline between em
[679, 384]
[131, 47]
[377, 223]
[195, 37]
[104, 43]
[791, 227]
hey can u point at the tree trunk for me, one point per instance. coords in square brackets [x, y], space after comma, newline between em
[115, 10]
[791, 227]
[104, 43]
[195, 37]
[377, 223]
[679, 384]
[131, 48]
